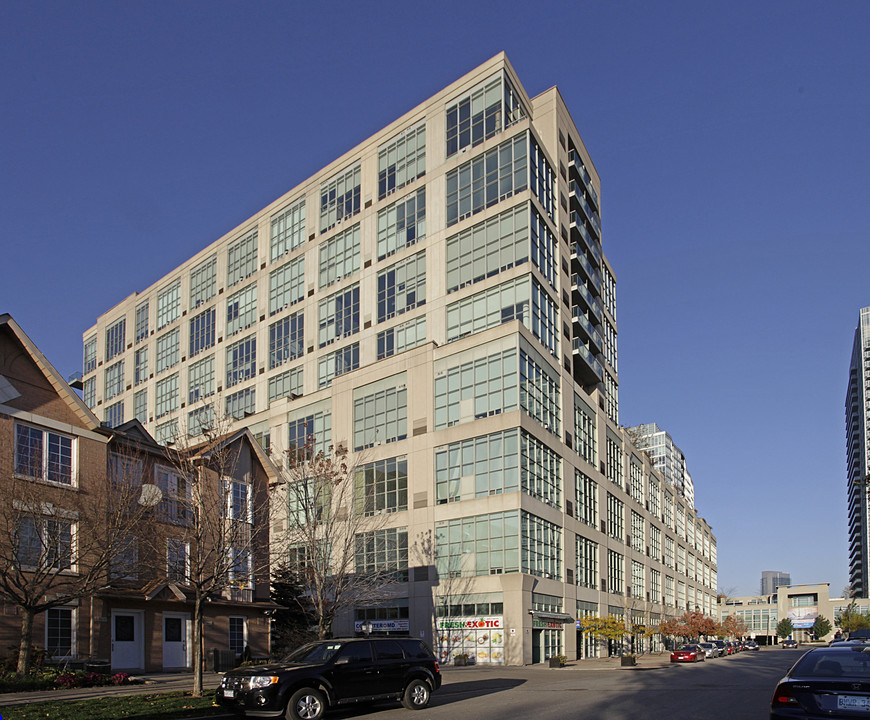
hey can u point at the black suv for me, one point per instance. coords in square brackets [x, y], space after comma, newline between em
[327, 673]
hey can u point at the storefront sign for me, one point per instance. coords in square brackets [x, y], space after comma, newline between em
[384, 625]
[480, 638]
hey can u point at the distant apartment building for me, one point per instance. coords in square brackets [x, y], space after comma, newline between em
[772, 579]
[437, 301]
[857, 453]
[667, 458]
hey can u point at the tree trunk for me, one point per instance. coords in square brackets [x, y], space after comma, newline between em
[197, 647]
[25, 647]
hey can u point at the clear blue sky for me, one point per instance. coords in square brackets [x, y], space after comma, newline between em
[733, 142]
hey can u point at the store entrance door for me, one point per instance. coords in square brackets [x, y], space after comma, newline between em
[537, 646]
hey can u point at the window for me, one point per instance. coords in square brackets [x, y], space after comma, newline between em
[653, 495]
[635, 480]
[166, 396]
[339, 257]
[286, 384]
[142, 322]
[615, 518]
[587, 562]
[177, 560]
[287, 285]
[310, 432]
[200, 420]
[486, 179]
[239, 500]
[614, 461]
[238, 634]
[286, 340]
[203, 282]
[59, 633]
[655, 584]
[169, 305]
[140, 366]
[338, 316]
[539, 392]
[615, 572]
[202, 332]
[478, 545]
[384, 551]
[200, 380]
[241, 360]
[585, 499]
[167, 350]
[340, 198]
[541, 178]
[288, 230]
[669, 552]
[542, 547]
[44, 455]
[115, 414]
[89, 392]
[402, 160]
[486, 110]
[490, 247]
[115, 335]
[541, 471]
[638, 541]
[402, 287]
[402, 224]
[242, 259]
[114, 380]
[242, 310]
[89, 355]
[175, 503]
[140, 406]
[381, 486]
[611, 394]
[44, 542]
[124, 564]
[655, 542]
[545, 319]
[478, 467]
[544, 251]
[584, 431]
[166, 432]
[476, 389]
[638, 586]
[380, 417]
[241, 403]
[336, 363]
[401, 337]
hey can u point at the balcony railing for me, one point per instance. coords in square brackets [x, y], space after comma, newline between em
[593, 275]
[584, 352]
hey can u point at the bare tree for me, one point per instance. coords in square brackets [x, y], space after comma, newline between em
[219, 533]
[335, 541]
[58, 542]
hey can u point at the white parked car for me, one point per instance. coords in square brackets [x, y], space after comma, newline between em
[710, 650]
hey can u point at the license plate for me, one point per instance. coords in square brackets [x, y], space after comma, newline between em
[229, 693]
[853, 702]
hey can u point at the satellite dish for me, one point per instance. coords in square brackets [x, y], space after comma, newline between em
[151, 495]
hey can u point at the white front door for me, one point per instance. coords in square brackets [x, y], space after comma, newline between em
[176, 627]
[127, 641]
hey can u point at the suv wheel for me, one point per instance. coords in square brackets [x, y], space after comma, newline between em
[306, 704]
[416, 695]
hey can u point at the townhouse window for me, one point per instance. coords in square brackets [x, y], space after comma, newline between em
[142, 329]
[241, 361]
[44, 455]
[287, 285]
[380, 417]
[140, 406]
[402, 287]
[169, 305]
[242, 403]
[488, 248]
[176, 496]
[238, 634]
[381, 486]
[114, 380]
[242, 259]
[202, 332]
[177, 560]
[242, 310]
[89, 355]
[59, 632]
[338, 316]
[203, 282]
[340, 198]
[166, 396]
[286, 340]
[587, 562]
[89, 392]
[402, 337]
[200, 380]
[115, 338]
[114, 414]
[402, 160]
[124, 564]
[402, 224]
[167, 350]
[240, 507]
[585, 499]
[44, 543]
[286, 384]
[140, 365]
[339, 256]
[383, 551]
[287, 230]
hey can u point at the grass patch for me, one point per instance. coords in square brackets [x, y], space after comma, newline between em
[162, 706]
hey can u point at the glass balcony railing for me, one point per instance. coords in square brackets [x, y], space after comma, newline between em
[575, 160]
[591, 242]
[584, 352]
[591, 301]
[584, 322]
[593, 275]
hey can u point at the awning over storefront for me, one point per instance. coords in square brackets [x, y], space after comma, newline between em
[551, 617]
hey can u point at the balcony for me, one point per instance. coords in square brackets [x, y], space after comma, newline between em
[583, 235]
[589, 300]
[579, 199]
[587, 328]
[579, 257]
[579, 168]
[587, 369]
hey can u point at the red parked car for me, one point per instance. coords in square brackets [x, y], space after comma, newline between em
[688, 653]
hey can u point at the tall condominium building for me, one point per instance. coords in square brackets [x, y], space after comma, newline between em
[666, 457]
[437, 301]
[772, 579]
[857, 452]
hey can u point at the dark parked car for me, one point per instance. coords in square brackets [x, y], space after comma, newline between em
[789, 643]
[829, 682]
[327, 673]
